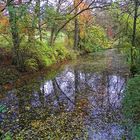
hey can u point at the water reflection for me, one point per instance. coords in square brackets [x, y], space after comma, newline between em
[103, 92]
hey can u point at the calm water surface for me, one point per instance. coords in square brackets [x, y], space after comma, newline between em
[92, 87]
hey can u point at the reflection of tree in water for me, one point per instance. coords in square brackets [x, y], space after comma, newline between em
[98, 94]
[104, 92]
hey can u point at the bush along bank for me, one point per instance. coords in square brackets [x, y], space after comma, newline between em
[38, 55]
[131, 107]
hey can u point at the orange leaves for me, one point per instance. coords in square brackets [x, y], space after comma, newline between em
[85, 19]
[4, 24]
[4, 21]
[86, 15]
[8, 86]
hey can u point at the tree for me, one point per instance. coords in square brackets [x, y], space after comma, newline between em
[71, 14]
[136, 5]
[38, 11]
[14, 32]
[127, 13]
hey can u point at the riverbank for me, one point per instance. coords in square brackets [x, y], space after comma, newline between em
[131, 107]
[131, 100]
[10, 77]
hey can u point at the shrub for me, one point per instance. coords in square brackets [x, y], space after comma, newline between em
[95, 40]
[31, 64]
[40, 55]
[131, 106]
[8, 75]
[36, 55]
[5, 42]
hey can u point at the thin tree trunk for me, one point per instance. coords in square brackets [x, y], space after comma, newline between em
[52, 36]
[134, 30]
[76, 34]
[40, 30]
[76, 27]
[39, 19]
[53, 29]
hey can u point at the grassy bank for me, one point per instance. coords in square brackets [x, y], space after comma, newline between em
[131, 107]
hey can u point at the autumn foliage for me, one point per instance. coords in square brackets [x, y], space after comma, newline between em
[85, 19]
[4, 24]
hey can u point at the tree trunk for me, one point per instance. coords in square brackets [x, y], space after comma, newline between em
[76, 34]
[14, 32]
[52, 36]
[40, 30]
[39, 19]
[53, 29]
[134, 30]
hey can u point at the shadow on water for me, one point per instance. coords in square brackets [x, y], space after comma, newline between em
[83, 101]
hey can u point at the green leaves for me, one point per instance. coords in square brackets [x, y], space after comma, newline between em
[131, 106]
[7, 136]
[3, 109]
[31, 64]
[95, 39]
[50, 15]
[41, 55]
[132, 99]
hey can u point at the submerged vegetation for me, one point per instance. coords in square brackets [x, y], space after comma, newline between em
[64, 125]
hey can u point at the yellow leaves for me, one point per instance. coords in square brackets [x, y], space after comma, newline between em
[65, 125]
[76, 2]
[36, 123]
[82, 31]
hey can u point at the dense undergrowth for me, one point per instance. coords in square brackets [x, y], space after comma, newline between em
[131, 102]
[131, 107]
[95, 40]
[42, 56]
[124, 40]
[37, 55]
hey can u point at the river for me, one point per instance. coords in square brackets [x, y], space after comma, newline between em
[82, 99]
